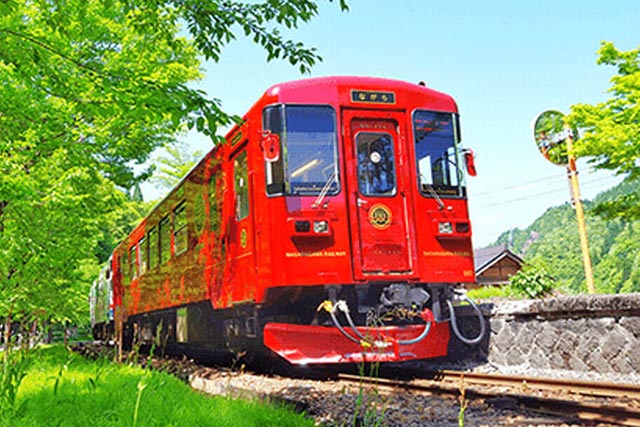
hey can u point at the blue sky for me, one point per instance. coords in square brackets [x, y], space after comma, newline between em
[503, 61]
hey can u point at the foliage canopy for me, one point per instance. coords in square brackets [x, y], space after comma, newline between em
[90, 90]
[611, 137]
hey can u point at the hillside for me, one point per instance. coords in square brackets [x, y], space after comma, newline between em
[552, 241]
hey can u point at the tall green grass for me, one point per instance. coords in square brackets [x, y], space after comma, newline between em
[64, 389]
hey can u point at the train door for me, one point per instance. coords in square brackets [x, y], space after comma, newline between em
[378, 192]
[242, 230]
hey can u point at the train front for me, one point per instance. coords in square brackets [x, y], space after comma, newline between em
[367, 221]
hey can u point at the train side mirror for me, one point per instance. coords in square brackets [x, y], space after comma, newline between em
[470, 162]
[270, 144]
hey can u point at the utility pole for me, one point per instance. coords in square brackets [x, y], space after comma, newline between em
[572, 173]
[555, 141]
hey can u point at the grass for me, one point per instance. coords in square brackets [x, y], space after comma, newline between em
[486, 292]
[64, 389]
[511, 292]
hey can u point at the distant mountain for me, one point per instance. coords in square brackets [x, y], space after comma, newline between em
[552, 240]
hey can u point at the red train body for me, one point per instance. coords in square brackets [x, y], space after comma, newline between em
[329, 228]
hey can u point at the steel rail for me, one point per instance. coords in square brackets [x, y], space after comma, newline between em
[483, 386]
[590, 388]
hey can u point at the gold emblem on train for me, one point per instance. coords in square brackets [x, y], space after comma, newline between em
[380, 216]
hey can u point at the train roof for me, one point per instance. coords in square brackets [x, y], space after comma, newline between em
[339, 88]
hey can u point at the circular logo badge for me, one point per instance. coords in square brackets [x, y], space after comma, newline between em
[243, 238]
[380, 216]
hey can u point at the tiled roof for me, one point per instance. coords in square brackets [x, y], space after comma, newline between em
[485, 257]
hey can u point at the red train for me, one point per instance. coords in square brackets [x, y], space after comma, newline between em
[332, 226]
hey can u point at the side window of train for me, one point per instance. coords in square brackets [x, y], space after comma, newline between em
[152, 237]
[124, 267]
[180, 238]
[143, 255]
[133, 264]
[241, 180]
[165, 239]
[199, 212]
[212, 190]
[272, 119]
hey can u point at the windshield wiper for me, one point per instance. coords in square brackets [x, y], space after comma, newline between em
[324, 191]
[433, 193]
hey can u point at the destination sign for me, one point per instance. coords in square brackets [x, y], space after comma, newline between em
[373, 97]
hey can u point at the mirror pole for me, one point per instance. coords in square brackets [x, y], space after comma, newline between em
[572, 173]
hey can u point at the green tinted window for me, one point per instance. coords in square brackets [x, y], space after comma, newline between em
[133, 264]
[198, 213]
[165, 239]
[143, 251]
[214, 216]
[180, 238]
[152, 237]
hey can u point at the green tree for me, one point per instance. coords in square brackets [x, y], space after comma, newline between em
[619, 269]
[173, 165]
[611, 137]
[82, 102]
[89, 90]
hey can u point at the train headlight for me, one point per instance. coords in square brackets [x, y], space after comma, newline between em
[302, 226]
[445, 228]
[320, 227]
[463, 227]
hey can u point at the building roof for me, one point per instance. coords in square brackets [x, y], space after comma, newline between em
[486, 257]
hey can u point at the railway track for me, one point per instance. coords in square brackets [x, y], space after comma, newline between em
[558, 401]
[594, 402]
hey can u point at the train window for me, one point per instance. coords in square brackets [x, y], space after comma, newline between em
[124, 267]
[272, 120]
[152, 253]
[199, 213]
[142, 254]
[180, 238]
[133, 262]
[376, 164]
[214, 214]
[439, 170]
[165, 239]
[308, 164]
[241, 179]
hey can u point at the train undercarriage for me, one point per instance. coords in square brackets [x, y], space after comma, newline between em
[329, 324]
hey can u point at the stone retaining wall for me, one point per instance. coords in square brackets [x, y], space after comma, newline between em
[589, 333]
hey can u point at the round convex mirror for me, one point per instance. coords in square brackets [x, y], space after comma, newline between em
[551, 134]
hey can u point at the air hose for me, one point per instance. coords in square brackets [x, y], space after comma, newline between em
[454, 322]
[359, 338]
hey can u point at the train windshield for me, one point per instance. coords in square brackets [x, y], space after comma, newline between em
[308, 163]
[439, 167]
